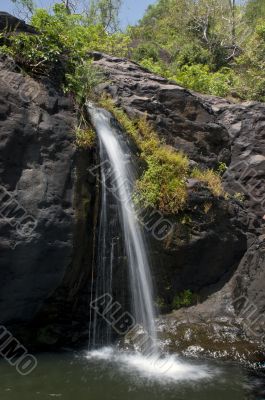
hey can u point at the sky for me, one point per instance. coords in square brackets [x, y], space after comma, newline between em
[131, 12]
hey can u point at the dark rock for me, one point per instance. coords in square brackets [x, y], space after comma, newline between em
[45, 206]
[245, 175]
[231, 323]
[204, 248]
[179, 116]
[9, 23]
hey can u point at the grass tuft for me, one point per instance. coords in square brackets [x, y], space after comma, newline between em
[85, 138]
[211, 178]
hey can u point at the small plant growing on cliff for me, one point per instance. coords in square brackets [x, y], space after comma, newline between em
[129, 126]
[83, 81]
[211, 178]
[222, 167]
[160, 303]
[207, 207]
[85, 138]
[239, 197]
[162, 185]
[183, 299]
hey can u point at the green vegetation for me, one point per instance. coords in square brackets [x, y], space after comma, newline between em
[197, 77]
[160, 303]
[83, 81]
[251, 66]
[222, 167]
[254, 12]
[210, 46]
[211, 178]
[65, 41]
[183, 299]
[239, 197]
[85, 138]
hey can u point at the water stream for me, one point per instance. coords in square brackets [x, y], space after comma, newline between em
[116, 166]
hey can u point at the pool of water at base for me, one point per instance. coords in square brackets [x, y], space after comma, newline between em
[109, 374]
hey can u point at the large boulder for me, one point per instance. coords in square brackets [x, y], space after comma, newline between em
[45, 200]
[245, 175]
[183, 120]
[230, 324]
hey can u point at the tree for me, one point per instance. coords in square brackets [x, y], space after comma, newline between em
[255, 10]
[251, 66]
[195, 28]
[27, 5]
[104, 12]
[70, 5]
[232, 4]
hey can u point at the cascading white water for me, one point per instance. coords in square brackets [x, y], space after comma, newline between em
[150, 363]
[117, 151]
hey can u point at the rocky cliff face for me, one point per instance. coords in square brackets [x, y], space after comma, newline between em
[37, 190]
[45, 210]
[204, 255]
[208, 239]
[49, 208]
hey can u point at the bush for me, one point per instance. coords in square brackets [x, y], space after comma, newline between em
[183, 299]
[146, 51]
[251, 67]
[157, 67]
[192, 53]
[83, 81]
[198, 77]
[163, 184]
[65, 39]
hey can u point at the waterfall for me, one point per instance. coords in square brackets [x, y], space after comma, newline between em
[115, 152]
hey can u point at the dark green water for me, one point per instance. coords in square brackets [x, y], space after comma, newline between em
[104, 375]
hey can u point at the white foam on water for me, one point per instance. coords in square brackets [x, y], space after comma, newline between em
[164, 369]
